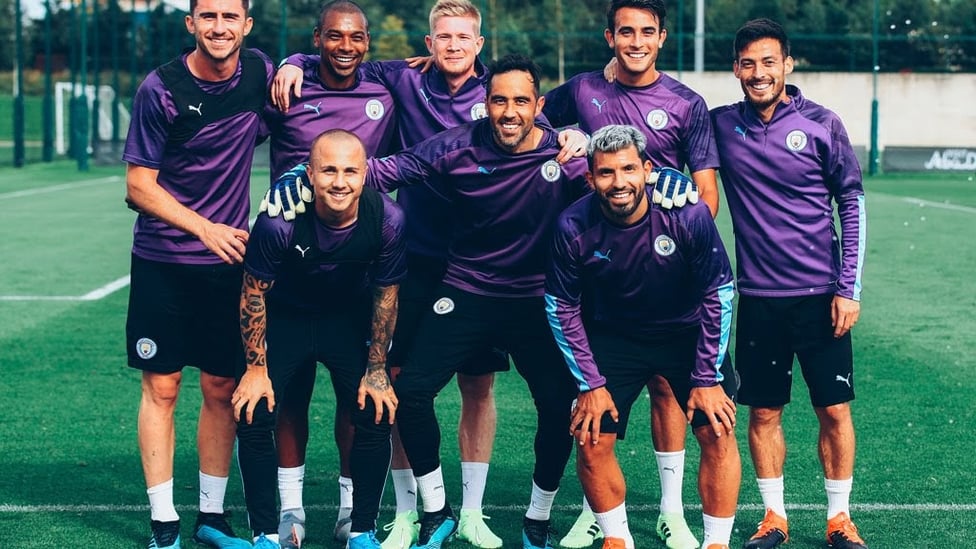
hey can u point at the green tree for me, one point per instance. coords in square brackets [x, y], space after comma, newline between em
[390, 40]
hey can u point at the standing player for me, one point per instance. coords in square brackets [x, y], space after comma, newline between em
[449, 95]
[195, 122]
[336, 96]
[674, 120]
[612, 252]
[785, 159]
[505, 190]
[353, 245]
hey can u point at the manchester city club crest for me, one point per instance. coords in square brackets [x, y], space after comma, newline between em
[478, 111]
[146, 348]
[551, 171]
[443, 305]
[657, 119]
[664, 245]
[375, 109]
[796, 140]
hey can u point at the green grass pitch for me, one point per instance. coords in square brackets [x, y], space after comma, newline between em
[70, 474]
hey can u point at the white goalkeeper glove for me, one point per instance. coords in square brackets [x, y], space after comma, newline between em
[672, 189]
[288, 195]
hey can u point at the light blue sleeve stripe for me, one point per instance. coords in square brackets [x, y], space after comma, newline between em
[862, 240]
[563, 344]
[725, 294]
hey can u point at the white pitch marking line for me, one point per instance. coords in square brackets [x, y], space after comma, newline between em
[861, 507]
[93, 295]
[62, 187]
[941, 205]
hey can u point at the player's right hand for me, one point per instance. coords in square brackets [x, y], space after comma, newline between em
[287, 80]
[288, 195]
[228, 243]
[254, 385]
[588, 411]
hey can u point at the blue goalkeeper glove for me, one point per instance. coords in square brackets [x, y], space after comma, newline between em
[288, 195]
[672, 189]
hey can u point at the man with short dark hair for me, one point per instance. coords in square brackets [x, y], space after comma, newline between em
[785, 161]
[505, 189]
[612, 252]
[195, 123]
[674, 120]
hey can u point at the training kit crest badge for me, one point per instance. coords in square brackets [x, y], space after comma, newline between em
[443, 305]
[796, 141]
[657, 119]
[478, 111]
[551, 171]
[664, 245]
[375, 109]
[146, 348]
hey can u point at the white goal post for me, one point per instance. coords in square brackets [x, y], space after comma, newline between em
[106, 98]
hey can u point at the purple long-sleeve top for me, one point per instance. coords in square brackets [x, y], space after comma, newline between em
[665, 273]
[781, 180]
[501, 206]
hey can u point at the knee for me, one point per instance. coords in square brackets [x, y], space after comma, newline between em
[217, 391]
[591, 458]
[476, 389]
[261, 428]
[161, 390]
[835, 416]
[715, 448]
[765, 418]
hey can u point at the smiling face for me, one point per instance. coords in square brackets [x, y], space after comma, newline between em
[513, 105]
[761, 69]
[454, 43]
[342, 38]
[337, 171]
[636, 39]
[619, 179]
[219, 28]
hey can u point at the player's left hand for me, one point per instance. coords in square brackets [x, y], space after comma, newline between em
[844, 314]
[573, 144]
[425, 62]
[588, 412]
[716, 405]
[610, 70]
[287, 82]
[288, 195]
[672, 189]
[376, 385]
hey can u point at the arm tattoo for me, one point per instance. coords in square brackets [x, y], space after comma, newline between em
[254, 319]
[384, 320]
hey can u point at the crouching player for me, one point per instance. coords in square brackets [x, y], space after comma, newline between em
[312, 290]
[635, 291]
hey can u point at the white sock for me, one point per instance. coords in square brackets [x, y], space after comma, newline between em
[345, 492]
[614, 524]
[431, 488]
[291, 481]
[540, 504]
[586, 506]
[212, 490]
[771, 490]
[838, 496]
[671, 469]
[161, 506]
[474, 477]
[405, 488]
[717, 529]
